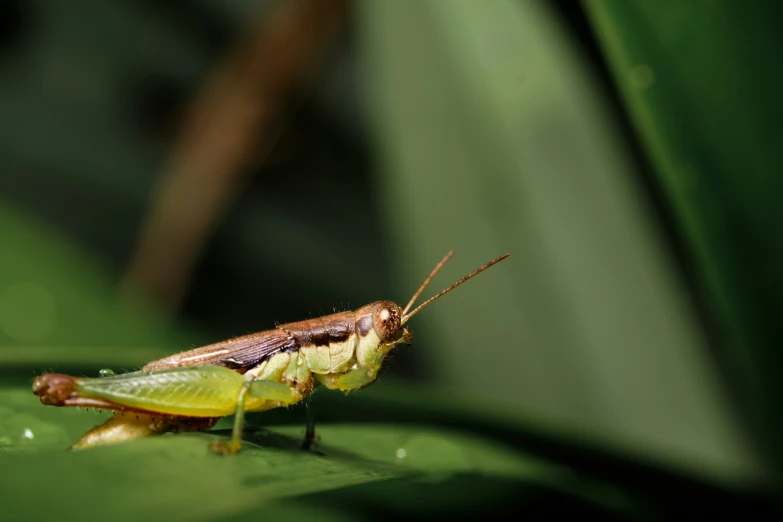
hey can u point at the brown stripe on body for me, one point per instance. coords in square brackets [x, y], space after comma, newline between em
[242, 353]
[321, 331]
[239, 353]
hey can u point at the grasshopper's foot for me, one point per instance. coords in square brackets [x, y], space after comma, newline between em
[311, 439]
[311, 443]
[222, 447]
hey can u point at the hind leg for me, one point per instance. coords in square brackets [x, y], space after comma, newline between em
[125, 426]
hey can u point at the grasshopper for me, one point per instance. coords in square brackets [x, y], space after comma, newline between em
[191, 390]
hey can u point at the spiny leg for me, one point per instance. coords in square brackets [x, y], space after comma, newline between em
[353, 380]
[361, 376]
[267, 390]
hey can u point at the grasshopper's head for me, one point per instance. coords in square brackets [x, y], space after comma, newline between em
[385, 319]
[382, 323]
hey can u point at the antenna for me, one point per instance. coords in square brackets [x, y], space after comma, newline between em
[406, 317]
[427, 281]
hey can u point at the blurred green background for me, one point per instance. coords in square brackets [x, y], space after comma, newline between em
[177, 173]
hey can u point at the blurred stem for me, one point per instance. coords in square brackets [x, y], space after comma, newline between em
[237, 116]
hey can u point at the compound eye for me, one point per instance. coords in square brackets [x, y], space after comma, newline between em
[387, 323]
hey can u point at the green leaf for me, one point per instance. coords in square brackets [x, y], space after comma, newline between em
[492, 137]
[176, 476]
[57, 309]
[698, 79]
[58, 306]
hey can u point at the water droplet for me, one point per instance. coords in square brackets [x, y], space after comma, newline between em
[106, 372]
[28, 434]
[401, 453]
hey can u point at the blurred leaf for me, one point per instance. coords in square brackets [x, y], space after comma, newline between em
[63, 302]
[57, 306]
[492, 137]
[698, 78]
[90, 107]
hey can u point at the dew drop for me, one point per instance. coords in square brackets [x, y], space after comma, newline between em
[401, 453]
[28, 434]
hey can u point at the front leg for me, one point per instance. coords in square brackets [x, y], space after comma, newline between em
[365, 371]
[354, 379]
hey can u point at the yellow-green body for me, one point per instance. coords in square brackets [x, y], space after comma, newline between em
[212, 391]
[157, 398]
[279, 367]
